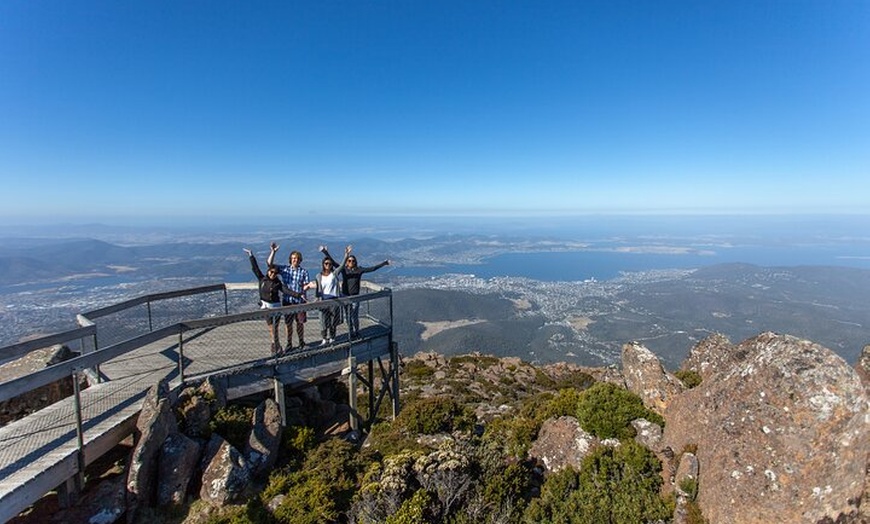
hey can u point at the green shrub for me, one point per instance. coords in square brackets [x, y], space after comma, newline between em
[619, 485]
[564, 403]
[606, 411]
[307, 500]
[429, 416]
[296, 441]
[689, 486]
[689, 378]
[512, 435]
[576, 380]
[418, 370]
[234, 424]
[322, 489]
[415, 510]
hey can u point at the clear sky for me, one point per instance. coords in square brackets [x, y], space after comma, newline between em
[238, 109]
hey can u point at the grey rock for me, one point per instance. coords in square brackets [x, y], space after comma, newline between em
[155, 423]
[177, 463]
[649, 434]
[226, 477]
[265, 439]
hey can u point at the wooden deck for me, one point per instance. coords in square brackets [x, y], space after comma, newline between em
[39, 453]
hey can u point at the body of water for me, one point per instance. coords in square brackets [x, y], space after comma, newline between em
[605, 265]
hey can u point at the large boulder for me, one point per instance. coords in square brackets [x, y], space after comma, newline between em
[265, 439]
[782, 434]
[226, 476]
[645, 377]
[155, 423]
[177, 463]
[562, 443]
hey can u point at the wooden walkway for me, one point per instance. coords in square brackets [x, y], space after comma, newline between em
[40, 452]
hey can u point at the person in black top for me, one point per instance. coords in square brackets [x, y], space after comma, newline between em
[270, 287]
[351, 274]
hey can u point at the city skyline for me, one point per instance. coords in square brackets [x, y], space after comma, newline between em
[189, 110]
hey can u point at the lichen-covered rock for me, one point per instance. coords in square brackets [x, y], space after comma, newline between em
[862, 367]
[562, 443]
[179, 457]
[711, 355]
[265, 439]
[649, 434]
[782, 434]
[226, 476]
[155, 423]
[645, 376]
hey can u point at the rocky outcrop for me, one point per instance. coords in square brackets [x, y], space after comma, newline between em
[155, 423]
[562, 443]
[265, 440]
[862, 367]
[179, 457]
[645, 376]
[710, 355]
[226, 476]
[194, 412]
[781, 429]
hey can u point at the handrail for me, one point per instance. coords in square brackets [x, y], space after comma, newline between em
[144, 299]
[45, 376]
[20, 385]
[23, 348]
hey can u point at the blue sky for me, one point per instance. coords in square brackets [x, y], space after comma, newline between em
[237, 109]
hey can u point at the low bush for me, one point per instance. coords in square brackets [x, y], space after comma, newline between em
[606, 410]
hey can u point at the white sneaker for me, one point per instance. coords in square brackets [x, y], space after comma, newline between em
[331, 340]
[323, 342]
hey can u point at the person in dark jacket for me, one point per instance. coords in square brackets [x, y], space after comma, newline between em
[270, 287]
[351, 274]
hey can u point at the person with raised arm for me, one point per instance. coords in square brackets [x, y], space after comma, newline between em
[296, 278]
[270, 287]
[351, 275]
[328, 287]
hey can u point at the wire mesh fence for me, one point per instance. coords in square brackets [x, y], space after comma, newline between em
[172, 337]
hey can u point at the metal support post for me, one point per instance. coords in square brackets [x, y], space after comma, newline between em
[150, 323]
[80, 433]
[281, 399]
[181, 354]
[394, 375]
[372, 415]
[351, 384]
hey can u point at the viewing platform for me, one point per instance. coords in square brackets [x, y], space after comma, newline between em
[182, 338]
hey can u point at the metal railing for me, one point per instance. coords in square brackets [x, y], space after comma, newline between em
[375, 304]
[211, 341]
